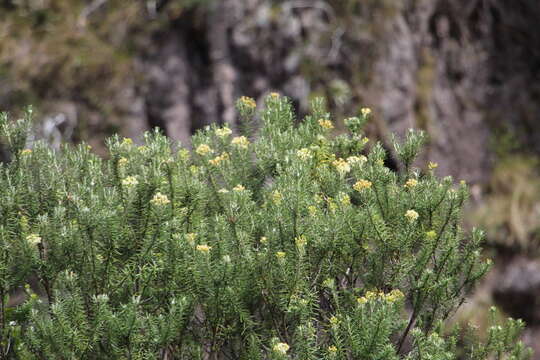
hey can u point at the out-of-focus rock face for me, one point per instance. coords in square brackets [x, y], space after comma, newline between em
[458, 69]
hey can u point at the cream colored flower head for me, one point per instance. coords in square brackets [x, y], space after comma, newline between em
[365, 111]
[353, 160]
[326, 124]
[239, 188]
[122, 161]
[280, 255]
[411, 215]
[411, 183]
[281, 348]
[304, 154]
[130, 181]
[203, 149]
[33, 239]
[341, 166]
[241, 142]
[432, 165]
[223, 132]
[160, 199]
[204, 248]
[362, 184]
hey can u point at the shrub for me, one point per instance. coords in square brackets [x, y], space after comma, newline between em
[291, 245]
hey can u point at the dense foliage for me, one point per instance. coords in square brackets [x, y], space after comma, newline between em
[289, 244]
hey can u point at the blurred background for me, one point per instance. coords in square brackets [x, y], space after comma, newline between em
[465, 71]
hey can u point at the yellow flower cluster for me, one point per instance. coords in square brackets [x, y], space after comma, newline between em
[352, 160]
[341, 166]
[281, 348]
[219, 159]
[122, 162]
[240, 141]
[203, 149]
[280, 255]
[362, 184]
[223, 191]
[411, 183]
[300, 241]
[432, 165]
[344, 199]
[160, 199]
[277, 197]
[26, 152]
[304, 154]
[411, 215]
[127, 142]
[223, 132]
[191, 238]
[312, 210]
[431, 234]
[248, 102]
[326, 124]
[204, 248]
[391, 297]
[130, 181]
[332, 349]
[33, 239]
[275, 95]
[239, 188]
[365, 111]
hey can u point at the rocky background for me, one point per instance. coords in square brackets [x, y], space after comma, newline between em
[466, 71]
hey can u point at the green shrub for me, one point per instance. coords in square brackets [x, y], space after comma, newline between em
[290, 245]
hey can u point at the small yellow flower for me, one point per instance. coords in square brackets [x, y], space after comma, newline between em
[203, 149]
[127, 142]
[341, 166]
[263, 240]
[223, 191]
[280, 255]
[326, 124]
[241, 142]
[344, 199]
[394, 295]
[304, 154]
[411, 183]
[160, 199]
[142, 148]
[190, 237]
[281, 348]
[219, 159]
[432, 165]
[371, 295]
[352, 160]
[26, 152]
[411, 215]
[223, 132]
[334, 321]
[122, 161]
[362, 184]
[300, 241]
[332, 349]
[275, 95]
[365, 111]
[239, 188]
[431, 234]
[277, 197]
[33, 239]
[130, 181]
[203, 248]
[248, 102]
[312, 210]
[362, 300]
[183, 154]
